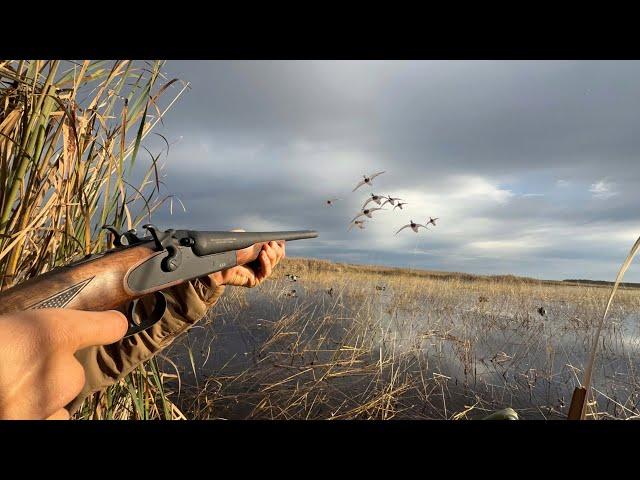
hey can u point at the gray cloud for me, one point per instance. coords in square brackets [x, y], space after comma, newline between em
[531, 165]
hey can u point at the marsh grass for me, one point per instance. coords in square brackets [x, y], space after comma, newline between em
[425, 347]
[71, 141]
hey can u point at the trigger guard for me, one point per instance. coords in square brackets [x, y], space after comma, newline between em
[159, 309]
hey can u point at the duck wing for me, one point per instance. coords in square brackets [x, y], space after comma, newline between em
[407, 225]
[370, 199]
[376, 174]
[362, 182]
[357, 217]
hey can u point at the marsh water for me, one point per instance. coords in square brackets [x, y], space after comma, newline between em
[374, 351]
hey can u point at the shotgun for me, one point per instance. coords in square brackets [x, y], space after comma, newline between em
[140, 266]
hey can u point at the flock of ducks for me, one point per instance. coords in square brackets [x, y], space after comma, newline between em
[380, 200]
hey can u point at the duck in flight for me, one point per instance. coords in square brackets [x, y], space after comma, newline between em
[399, 205]
[432, 221]
[331, 201]
[374, 198]
[390, 200]
[357, 223]
[368, 212]
[414, 226]
[367, 180]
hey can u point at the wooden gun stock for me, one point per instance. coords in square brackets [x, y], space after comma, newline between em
[116, 277]
[92, 284]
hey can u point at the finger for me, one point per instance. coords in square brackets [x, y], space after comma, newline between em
[62, 414]
[277, 253]
[271, 251]
[265, 263]
[84, 329]
[280, 250]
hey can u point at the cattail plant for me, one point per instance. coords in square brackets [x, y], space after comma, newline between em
[71, 138]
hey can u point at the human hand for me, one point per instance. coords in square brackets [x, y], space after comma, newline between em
[254, 273]
[39, 374]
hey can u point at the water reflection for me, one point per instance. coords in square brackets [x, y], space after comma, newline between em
[441, 357]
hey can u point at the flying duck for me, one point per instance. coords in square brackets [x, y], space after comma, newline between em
[357, 223]
[390, 200]
[366, 212]
[374, 198]
[414, 226]
[367, 180]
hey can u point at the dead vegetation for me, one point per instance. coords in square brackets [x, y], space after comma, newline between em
[425, 347]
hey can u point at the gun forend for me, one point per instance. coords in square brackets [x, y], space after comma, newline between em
[207, 243]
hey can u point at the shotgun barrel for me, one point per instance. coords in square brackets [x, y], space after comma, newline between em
[207, 243]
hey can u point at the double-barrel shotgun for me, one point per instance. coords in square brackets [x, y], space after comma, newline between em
[140, 266]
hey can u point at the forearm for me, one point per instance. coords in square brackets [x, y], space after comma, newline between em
[187, 304]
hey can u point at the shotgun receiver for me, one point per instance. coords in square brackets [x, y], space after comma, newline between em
[139, 266]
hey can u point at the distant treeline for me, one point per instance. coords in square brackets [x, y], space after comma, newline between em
[602, 282]
[300, 265]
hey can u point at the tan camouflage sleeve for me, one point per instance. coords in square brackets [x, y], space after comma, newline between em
[105, 365]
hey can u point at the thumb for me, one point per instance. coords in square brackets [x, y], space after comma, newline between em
[95, 328]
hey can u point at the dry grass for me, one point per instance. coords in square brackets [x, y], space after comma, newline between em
[71, 142]
[423, 347]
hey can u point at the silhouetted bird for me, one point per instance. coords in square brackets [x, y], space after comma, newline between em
[368, 212]
[432, 221]
[542, 311]
[414, 226]
[390, 200]
[357, 223]
[367, 180]
[374, 198]
[329, 202]
[399, 205]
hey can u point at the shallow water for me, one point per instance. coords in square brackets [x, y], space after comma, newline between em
[453, 354]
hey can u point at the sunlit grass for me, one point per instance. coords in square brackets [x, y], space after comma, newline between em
[71, 141]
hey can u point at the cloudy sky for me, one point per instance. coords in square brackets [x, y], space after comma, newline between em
[531, 166]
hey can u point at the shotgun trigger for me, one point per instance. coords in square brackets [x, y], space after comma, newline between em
[159, 308]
